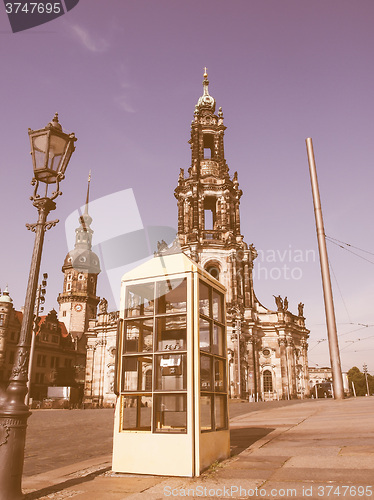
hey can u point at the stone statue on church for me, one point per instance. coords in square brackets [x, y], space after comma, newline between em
[301, 309]
[278, 302]
[285, 304]
[103, 306]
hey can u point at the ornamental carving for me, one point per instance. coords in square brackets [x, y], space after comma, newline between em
[20, 367]
[4, 433]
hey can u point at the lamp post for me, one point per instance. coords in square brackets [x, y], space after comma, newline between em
[40, 299]
[51, 149]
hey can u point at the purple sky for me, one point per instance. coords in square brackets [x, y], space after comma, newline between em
[125, 77]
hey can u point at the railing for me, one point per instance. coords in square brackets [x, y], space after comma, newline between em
[212, 235]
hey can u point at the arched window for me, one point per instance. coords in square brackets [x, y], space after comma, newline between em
[268, 381]
[214, 271]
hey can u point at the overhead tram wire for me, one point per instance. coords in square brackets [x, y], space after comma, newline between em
[341, 295]
[349, 245]
[334, 241]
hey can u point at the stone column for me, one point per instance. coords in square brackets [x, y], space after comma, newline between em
[247, 286]
[234, 278]
[251, 366]
[291, 367]
[180, 215]
[304, 350]
[88, 382]
[284, 367]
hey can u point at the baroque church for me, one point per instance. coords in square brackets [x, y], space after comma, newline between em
[267, 348]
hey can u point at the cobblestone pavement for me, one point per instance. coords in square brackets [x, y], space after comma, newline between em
[56, 438]
[319, 449]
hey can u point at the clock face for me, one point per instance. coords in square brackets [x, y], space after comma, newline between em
[78, 307]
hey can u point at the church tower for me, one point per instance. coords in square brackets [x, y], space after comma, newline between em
[267, 348]
[209, 222]
[78, 300]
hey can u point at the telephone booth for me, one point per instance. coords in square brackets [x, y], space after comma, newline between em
[171, 414]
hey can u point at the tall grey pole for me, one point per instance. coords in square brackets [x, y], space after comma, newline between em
[337, 379]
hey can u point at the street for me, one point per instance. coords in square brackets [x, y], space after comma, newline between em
[56, 438]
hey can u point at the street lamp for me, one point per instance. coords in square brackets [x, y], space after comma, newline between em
[51, 149]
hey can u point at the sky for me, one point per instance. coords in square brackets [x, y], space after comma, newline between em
[125, 76]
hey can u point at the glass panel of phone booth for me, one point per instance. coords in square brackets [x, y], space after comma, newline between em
[205, 326]
[171, 372]
[170, 413]
[217, 306]
[137, 413]
[135, 373]
[139, 335]
[206, 413]
[171, 333]
[220, 412]
[171, 296]
[204, 302]
[140, 300]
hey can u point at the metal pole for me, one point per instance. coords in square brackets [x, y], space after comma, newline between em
[13, 411]
[326, 281]
[32, 348]
[366, 377]
[354, 389]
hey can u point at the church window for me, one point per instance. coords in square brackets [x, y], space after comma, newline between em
[266, 352]
[209, 213]
[54, 362]
[148, 380]
[208, 146]
[214, 271]
[63, 314]
[69, 277]
[268, 381]
[68, 287]
[1, 319]
[80, 277]
[39, 378]
[41, 360]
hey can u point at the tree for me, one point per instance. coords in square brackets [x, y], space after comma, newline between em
[359, 381]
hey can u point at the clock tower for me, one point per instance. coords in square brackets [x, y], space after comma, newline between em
[78, 300]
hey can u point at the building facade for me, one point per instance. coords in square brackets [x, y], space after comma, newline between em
[55, 360]
[101, 339]
[267, 347]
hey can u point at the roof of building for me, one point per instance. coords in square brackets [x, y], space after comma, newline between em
[5, 297]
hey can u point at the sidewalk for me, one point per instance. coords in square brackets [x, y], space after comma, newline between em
[320, 449]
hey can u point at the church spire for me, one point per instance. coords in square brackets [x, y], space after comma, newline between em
[206, 101]
[83, 234]
[88, 193]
